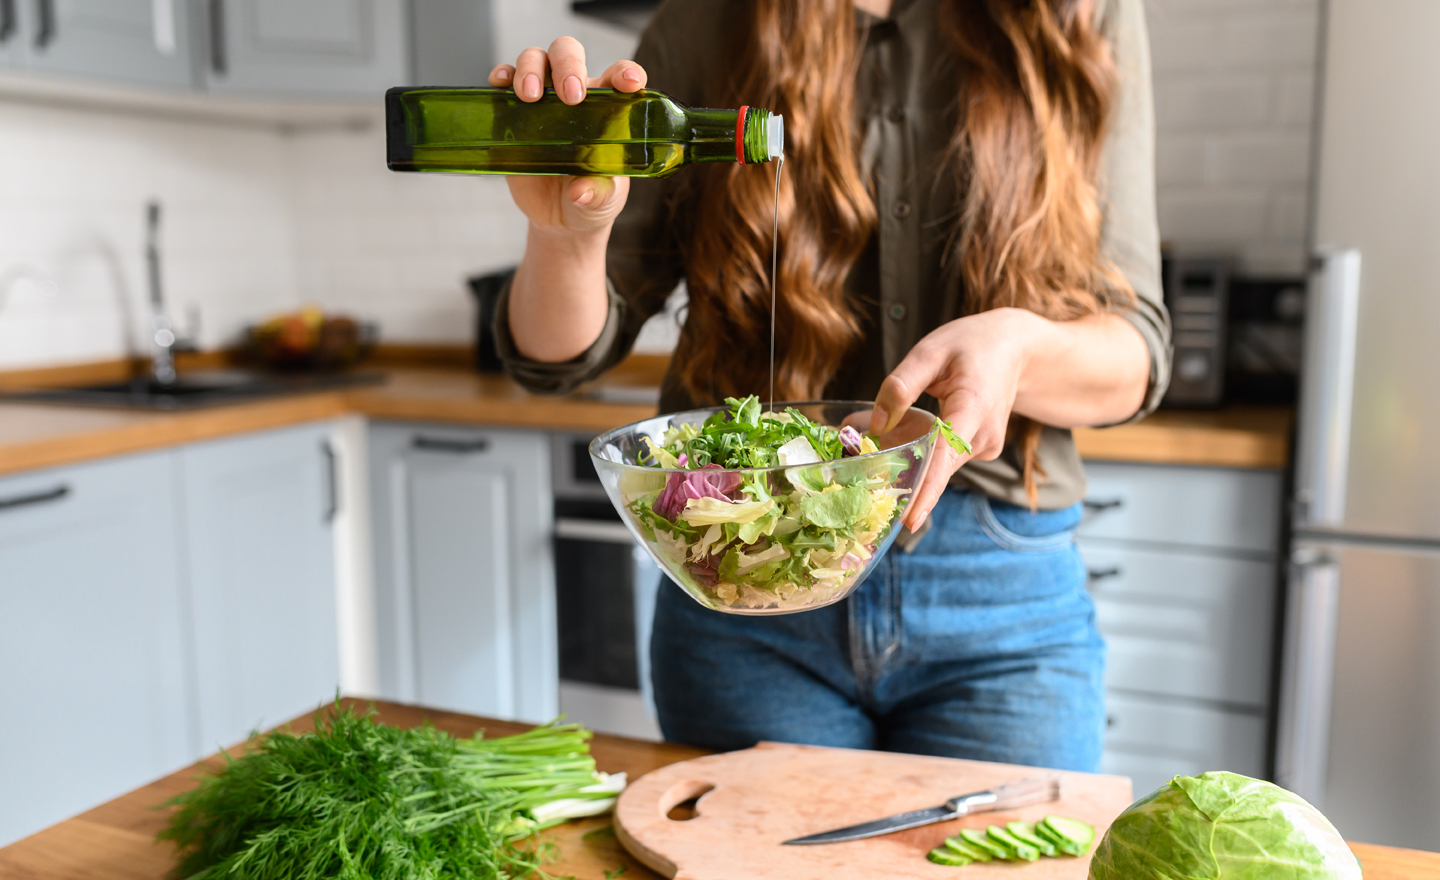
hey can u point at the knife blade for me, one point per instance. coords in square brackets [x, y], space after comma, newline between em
[1031, 790]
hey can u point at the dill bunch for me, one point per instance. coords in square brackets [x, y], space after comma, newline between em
[360, 799]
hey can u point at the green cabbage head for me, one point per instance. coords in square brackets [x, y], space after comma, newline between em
[1222, 826]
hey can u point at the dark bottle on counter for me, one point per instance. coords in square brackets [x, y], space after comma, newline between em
[610, 133]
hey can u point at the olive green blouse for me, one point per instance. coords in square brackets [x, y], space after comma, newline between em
[906, 115]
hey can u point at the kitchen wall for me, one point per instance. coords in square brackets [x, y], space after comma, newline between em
[1234, 95]
[260, 219]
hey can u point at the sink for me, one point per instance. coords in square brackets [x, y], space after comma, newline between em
[193, 390]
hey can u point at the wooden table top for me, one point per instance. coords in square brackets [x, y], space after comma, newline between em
[34, 436]
[116, 841]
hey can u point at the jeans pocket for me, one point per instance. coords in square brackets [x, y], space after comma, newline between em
[1023, 530]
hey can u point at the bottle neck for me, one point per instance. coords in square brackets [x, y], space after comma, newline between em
[748, 135]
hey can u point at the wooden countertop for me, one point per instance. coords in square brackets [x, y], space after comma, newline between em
[36, 436]
[116, 841]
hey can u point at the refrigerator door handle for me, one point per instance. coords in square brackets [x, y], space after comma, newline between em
[1327, 389]
[1307, 674]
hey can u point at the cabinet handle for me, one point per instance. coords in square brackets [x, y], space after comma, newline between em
[46, 10]
[332, 482]
[7, 20]
[594, 530]
[1098, 504]
[1100, 574]
[217, 36]
[450, 444]
[34, 498]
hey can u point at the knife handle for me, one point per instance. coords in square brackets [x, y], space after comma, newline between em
[1031, 790]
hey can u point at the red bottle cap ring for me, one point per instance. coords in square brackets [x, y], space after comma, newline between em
[740, 134]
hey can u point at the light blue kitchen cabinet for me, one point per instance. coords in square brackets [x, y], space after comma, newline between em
[139, 41]
[93, 646]
[318, 47]
[260, 559]
[1184, 572]
[464, 580]
[12, 34]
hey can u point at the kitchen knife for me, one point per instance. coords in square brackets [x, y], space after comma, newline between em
[1031, 790]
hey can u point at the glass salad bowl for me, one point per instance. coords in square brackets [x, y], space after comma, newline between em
[799, 529]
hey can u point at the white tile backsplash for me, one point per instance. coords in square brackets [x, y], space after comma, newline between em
[259, 220]
[1234, 100]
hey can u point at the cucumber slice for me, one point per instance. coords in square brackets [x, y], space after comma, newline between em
[1079, 835]
[968, 849]
[943, 856]
[1026, 832]
[976, 837]
[1021, 849]
[1056, 840]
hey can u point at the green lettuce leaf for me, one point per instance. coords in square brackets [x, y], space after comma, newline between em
[1222, 826]
[839, 509]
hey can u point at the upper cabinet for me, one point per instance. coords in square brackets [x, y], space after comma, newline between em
[339, 47]
[140, 41]
[264, 49]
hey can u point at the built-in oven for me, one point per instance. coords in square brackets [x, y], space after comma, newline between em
[605, 587]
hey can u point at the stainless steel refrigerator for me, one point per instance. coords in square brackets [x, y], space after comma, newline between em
[1359, 712]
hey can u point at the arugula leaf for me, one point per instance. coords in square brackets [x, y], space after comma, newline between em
[956, 442]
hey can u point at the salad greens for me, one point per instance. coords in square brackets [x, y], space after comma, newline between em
[360, 799]
[1222, 826]
[776, 539]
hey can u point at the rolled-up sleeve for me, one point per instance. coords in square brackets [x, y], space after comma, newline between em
[1130, 238]
[642, 263]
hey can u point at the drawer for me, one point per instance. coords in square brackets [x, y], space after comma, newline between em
[1216, 508]
[1184, 624]
[1152, 740]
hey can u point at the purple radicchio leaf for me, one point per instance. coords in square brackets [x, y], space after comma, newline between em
[680, 488]
[850, 439]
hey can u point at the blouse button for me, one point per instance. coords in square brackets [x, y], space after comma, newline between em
[897, 311]
[901, 210]
[897, 114]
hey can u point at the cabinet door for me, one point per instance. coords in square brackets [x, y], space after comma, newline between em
[338, 47]
[145, 41]
[464, 578]
[262, 570]
[1216, 508]
[1194, 625]
[1152, 740]
[92, 659]
[12, 33]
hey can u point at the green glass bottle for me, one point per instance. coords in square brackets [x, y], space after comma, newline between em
[610, 133]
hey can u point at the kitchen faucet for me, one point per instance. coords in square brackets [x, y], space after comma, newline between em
[162, 331]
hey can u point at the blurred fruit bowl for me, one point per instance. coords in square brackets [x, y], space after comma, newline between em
[310, 340]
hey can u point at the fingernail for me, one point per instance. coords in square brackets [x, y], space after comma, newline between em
[531, 86]
[631, 74]
[502, 74]
[878, 420]
[573, 90]
[586, 197]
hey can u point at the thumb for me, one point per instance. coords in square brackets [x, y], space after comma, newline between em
[590, 193]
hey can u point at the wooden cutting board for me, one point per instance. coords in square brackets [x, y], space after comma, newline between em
[752, 800]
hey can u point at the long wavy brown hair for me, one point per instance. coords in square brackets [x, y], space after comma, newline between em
[1034, 82]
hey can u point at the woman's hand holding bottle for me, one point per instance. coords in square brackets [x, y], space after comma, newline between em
[566, 204]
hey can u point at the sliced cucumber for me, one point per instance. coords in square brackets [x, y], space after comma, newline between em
[968, 849]
[1026, 832]
[1020, 848]
[1070, 835]
[943, 856]
[976, 837]
[1066, 847]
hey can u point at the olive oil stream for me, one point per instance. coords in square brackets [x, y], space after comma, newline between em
[774, 275]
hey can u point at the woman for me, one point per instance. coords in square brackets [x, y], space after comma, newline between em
[967, 220]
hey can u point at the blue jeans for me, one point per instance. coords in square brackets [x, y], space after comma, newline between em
[980, 644]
